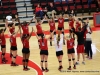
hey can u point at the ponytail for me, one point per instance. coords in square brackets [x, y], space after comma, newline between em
[42, 36]
[58, 39]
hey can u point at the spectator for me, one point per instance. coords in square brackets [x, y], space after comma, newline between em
[39, 11]
[45, 11]
[57, 0]
[51, 10]
[65, 12]
[73, 12]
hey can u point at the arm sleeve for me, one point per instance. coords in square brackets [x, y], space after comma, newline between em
[88, 29]
[61, 40]
[55, 39]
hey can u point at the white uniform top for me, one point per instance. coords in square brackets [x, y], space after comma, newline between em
[9, 18]
[58, 47]
[88, 35]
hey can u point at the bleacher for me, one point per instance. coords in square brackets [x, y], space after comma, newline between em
[7, 7]
[79, 6]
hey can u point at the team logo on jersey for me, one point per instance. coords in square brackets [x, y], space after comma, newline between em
[52, 24]
[60, 21]
[43, 44]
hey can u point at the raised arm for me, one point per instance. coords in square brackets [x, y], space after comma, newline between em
[16, 32]
[43, 20]
[61, 40]
[51, 35]
[36, 34]
[20, 31]
[30, 21]
[18, 19]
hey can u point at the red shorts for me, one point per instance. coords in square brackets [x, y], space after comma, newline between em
[80, 49]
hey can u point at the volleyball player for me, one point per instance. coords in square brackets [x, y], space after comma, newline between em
[13, 48]
[51, 22]
[11, 30]
[80, 40]
[43, 50]
[70, 51]
[61, 25]
[24, 26]
[77, 24]
[38, 23]
[25, 50]
[71, 23]
[59, 51]
[3, 45]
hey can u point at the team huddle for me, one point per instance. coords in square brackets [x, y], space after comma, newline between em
[77, 27]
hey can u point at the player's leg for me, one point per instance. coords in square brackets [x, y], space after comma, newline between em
[73, 58]
[27, 60]
[46, 63]
[69, 59]
[24, 67]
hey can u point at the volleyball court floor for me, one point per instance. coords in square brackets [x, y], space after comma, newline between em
[92, 67]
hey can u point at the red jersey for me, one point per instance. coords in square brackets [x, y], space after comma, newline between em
[52, 25]
[25, 29]
[77, 25]
[70, 43]
[85, 33]
[25, 43]
[38, 9]
[43, 44]
[13, 40]
[3, 40]
[12, 29]
[61, 22]
[39, 29]
[71, 23]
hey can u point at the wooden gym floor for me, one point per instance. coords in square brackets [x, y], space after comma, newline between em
[91, 65]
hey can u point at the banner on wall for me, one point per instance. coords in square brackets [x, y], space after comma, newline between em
[96, 18]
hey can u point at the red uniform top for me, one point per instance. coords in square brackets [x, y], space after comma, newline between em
[43, 44]
[25, 29]
[71, 23]
[25, 43]
[77, 25]
[38, 9]
[12, 29]
[3, 40]
[70, 43]
[13, 40]
[61, 22]
[39, 29]
[52, 25]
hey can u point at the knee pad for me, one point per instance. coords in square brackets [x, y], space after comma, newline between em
[73, 59]
[69, 59]
[42, 61]
[23, 60]
[60, 61]
[54, 33]
[51, 38]
[14, 57]
[63, 32]
[70, 31]
[3, 54]
[45, 61]
[26, 60]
